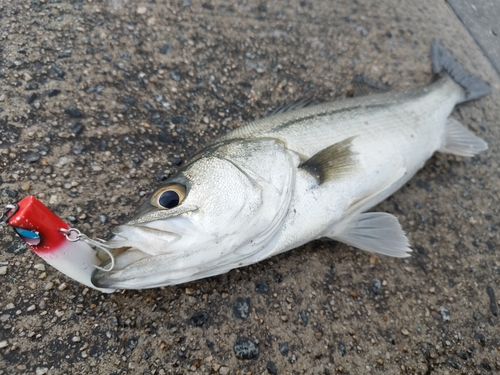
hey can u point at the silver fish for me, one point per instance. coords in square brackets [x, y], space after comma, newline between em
[296, 176]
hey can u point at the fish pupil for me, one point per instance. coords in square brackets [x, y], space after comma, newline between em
[169, 199]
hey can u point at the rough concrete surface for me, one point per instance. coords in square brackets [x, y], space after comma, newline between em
[481, 19]
[100, 100]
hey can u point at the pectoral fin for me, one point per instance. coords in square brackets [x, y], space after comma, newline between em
[334, 161]
[458, 140]
[376, 232]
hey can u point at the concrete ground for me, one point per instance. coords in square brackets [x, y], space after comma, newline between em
[100, 100]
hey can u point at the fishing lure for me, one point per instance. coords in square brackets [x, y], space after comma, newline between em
[48, 236]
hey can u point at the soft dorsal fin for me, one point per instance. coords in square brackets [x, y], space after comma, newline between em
[332, 162]
[296, 104]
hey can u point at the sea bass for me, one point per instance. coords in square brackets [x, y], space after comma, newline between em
[296, 176]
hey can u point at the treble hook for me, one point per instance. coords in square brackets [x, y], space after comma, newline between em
[12, 208]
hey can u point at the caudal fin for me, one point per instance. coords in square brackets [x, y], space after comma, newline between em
[442, 59]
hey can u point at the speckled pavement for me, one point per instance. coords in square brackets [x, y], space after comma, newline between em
[101, 100]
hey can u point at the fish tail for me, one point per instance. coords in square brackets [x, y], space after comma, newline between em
[443, 60]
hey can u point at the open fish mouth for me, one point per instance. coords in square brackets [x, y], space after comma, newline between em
[115, 265]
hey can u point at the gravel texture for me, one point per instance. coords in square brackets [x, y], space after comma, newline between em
[100, 101]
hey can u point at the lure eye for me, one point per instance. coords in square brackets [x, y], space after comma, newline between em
[169, 196]
[31, 237]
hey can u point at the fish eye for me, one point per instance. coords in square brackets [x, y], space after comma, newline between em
[169, 196]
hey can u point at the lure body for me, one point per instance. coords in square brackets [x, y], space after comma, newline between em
[53, 240]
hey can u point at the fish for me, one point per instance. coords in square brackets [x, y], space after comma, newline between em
[308, 171]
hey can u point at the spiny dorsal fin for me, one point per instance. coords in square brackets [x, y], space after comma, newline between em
[334, 161]
[364, 85]
[287, 107]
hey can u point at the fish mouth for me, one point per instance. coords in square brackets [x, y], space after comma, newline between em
[141, 256]
[111, 270]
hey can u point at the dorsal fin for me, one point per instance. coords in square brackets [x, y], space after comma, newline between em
[332, 162]
[364, 85]
[287, 107]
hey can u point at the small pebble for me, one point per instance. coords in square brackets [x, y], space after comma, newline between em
[3, 270]
[283, 347]
[224, 370]
[303, 317]
[141, 10]
[445, 314]
[493, 300]
[65, 54]
[199, 318]
[32, 97]
[175, 75]
[49, 285]
[216, 367]
[241, 308]
[73, 112]
[261, 286]
[39, 267]
[32, 157]
[3, 344]
[245, 349]
[341, 349]
[76, 339]
[271, 368]
[63, 286]
[31, 308]
[486, 365]
[10, 306]
[376, 286]
[4, 318]
[78, 148]
[77, 128]
[53, 92]
[405, 332]
[166, 48]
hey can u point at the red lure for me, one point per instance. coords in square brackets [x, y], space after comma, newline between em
[53, 240]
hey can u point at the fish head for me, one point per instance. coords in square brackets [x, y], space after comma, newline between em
[203, 221]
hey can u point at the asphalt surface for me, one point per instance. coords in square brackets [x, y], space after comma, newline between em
[100, 101]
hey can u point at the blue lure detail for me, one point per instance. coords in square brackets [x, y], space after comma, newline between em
[31, 237]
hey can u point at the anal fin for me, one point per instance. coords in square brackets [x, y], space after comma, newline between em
[334, 161]
[376, 232]
[458, 140]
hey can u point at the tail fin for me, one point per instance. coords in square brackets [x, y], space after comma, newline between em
[442, 59]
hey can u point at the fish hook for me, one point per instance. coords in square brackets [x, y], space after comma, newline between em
[74, 235]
